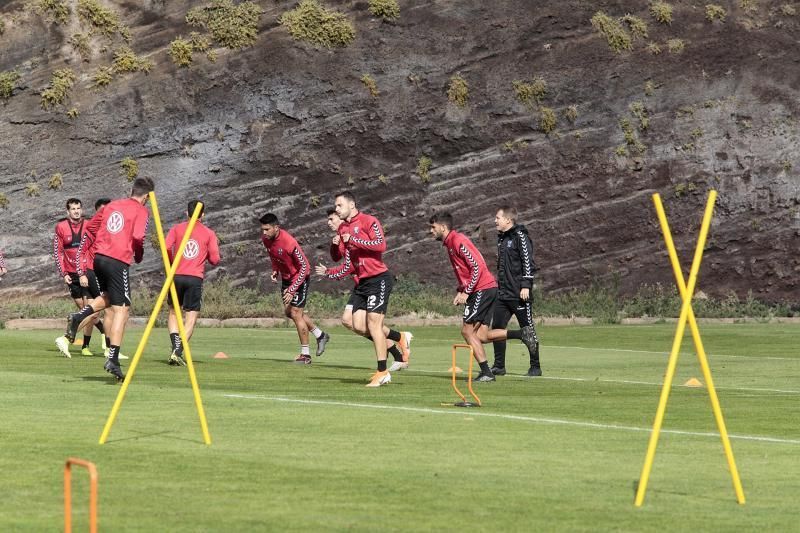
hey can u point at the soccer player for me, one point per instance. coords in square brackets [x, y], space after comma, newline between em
[401, 350]
[365, 243]
[122, 226]
[3, 269]
[201, 247]
[477, 291]
[515, 268]
[290, 263]
[69, 232]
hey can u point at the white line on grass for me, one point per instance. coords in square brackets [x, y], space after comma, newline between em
[710, 355]
[557, 421]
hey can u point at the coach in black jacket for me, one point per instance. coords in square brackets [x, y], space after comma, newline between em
[515, 268]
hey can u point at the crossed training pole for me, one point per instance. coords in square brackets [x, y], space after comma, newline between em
[168, 287]
[687, 315]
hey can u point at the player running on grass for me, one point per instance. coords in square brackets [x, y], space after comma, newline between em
[120, 239]
[290, 263]
[202, 246]
[477, 291]
[401, 350]
[69, 232]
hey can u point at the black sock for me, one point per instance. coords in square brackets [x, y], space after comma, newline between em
[85, 312]
[514, 334]
[113, 354]
[395, 351]
[86, 339]
[99, 326]
[382, 366]
[485, 368]
[174, 339]
[393, 335]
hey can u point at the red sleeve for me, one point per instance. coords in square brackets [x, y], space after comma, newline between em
[337, 251]
[342, 270]
[213, 249]
[301, 262]
[468, 254]
[139, 232]
[58, 251]
[169, 242]
[374, 240]
[2, 260]
[89, 237]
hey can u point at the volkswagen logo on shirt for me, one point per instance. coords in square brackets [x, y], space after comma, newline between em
[115, 222]
[192, 249]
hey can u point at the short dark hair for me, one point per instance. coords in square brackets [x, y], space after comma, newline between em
[347, 195]
[270, 219]
[332, 211]
[193, 205]
[72, 201]
[101, 202]
[509, 212]
[446, 219]
[142, 186]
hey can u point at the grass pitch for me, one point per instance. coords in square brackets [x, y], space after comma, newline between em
[309, 448]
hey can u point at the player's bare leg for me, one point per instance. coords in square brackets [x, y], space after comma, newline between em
[296, 315]
[189, 321]
[476, 335]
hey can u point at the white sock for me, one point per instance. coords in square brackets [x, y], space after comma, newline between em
[316, 332]
[304, 349]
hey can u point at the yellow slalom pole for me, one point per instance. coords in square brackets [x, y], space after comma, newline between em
[181, 329]
[676, 346]
[701, 353]
[150, 323]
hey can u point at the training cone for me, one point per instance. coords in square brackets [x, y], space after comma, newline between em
[221, 355]
[693, 382]
[455, 369]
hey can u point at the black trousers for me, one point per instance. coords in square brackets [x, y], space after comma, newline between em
[503, 311]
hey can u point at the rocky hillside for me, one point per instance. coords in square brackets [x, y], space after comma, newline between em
[573, 111]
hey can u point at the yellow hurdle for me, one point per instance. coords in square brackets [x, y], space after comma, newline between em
[179, 316]
[686, 290]
[150, 323]
[454, 370]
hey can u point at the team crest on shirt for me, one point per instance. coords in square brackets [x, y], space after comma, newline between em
[115, 222]
[355, 230]
[510, 244]
[192, 249]
[280, 251]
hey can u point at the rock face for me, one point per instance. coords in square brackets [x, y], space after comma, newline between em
[282, 126]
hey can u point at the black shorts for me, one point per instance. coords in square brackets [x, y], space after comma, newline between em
[112, 279]
[372, 294]
[479, 307]
[505, 309]
[93, 290]
[300, 296]
[190, 292]
[75, 289]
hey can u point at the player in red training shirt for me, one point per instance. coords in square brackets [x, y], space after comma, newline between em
[291, 264]
[401, 351]
[122, 226]
[3, 269]
[69, 232]
[202, 246]
[477, 291]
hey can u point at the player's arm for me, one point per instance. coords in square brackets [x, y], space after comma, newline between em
[525, 248]
[374, 240]
[3, 268]
[337, 249]
[301, 264]
[58, 254]
[139, 232]
[340, 271]
[214, 256]
[468, 256]
[169, 243]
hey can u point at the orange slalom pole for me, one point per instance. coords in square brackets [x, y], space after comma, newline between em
[92, 469]
[469, 374]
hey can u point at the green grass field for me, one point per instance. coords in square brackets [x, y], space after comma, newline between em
[309, 448]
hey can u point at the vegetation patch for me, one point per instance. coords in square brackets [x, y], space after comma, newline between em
[386, 9]
[33, 190]
[675, 46]
[662, 12]
[749, 6]
[314, 23]
[424, 168]
[126, 61]
[233, 26]
[370, 84]
[3, 200]
[104, 20]
[547, 119]
[8, 82]
[73, 112]
[180, 51]
[530, 93]
[383, 179]
[786, 10]
[639, 111]
[60, 85]
[637, 26]
[56, 181]
[103, 76]
[654, 48]
[513, 146]
[612, 29]
[715, 12]
[80, 42]
[130, 167]
[458, 91]
[649, 88]
[55, 10]
[571, 112]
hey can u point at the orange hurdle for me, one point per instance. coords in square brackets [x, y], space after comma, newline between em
[92, 469]
[454, 370]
